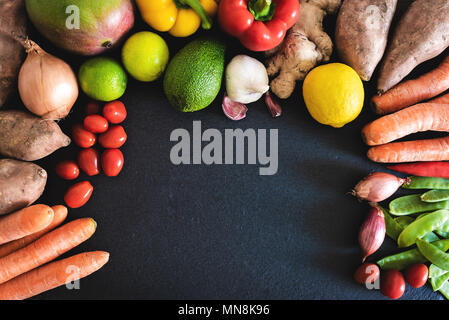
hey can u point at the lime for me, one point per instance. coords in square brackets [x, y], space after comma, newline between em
[102, 79]
[333, 94]
[145, 56]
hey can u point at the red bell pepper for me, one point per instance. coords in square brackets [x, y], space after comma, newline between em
[260, 25]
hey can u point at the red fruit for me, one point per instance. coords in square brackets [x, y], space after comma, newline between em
[392, 284]
[367, 273]
[78, 194]
[114, 112]
[112, 162]
[416, 275]
[67, 170]
[96, 123]
[82, 137]
[89, 161]
[92, 107]
[114, 138]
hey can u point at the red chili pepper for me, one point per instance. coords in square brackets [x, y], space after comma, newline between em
[260, 25]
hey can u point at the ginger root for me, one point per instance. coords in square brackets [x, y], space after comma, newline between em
[305, 46]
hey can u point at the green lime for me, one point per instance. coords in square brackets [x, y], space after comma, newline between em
[102, 79]
[145, 56]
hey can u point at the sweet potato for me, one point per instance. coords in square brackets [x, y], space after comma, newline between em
[421, 35]
[12, 24]
[21, 183]
[27, 137]
[362, 33]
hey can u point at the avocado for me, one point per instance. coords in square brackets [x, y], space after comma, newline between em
[193, 77]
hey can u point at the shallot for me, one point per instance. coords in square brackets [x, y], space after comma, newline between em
[377, 187]
[372, 232]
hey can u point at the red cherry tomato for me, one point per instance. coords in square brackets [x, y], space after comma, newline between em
[82, 137]
[67, 170]
[112, 162]
[95, 123]
[78, 194]
[114, 112]
[92, 107]
[114, 138]
[416, 275]
[392, 284]
[89, 161]
[367, 273]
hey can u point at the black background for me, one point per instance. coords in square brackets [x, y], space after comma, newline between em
[224, 231]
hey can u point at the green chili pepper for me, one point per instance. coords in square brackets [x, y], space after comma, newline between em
[444, 290]
[426, 183]
[413, 204]
[435, 255]
[421, 227]
[404, 259]
[435, 196]
[435, 272]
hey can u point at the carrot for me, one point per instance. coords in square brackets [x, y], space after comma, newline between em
[414, 91]
[25, 222]
[444, 99]
[60, 213]
[420, 117]
[411, 151]
[47, 248]
[424, 169]
[53, 275]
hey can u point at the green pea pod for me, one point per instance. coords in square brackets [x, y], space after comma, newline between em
[393, 229]
[426, 183]
[404, 259]
[444, 290]
[421, 227]
[435, 255]
[442, 234]
[438, 281]
[435, 196]
[404, 221]
[413, 204]
[435, 272]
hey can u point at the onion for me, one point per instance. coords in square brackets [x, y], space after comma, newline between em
[47, 85]
[377, 187]
[372, 232]
[233, 110]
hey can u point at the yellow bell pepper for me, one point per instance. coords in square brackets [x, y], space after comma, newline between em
[181, 18]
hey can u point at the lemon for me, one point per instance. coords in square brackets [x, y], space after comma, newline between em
[145, 56]
[333, 94]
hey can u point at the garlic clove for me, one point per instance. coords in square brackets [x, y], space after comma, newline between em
[233, 110]
[273, 105]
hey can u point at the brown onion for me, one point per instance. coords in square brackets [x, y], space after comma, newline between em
[377, 187]
[47, 85]
[372, 232]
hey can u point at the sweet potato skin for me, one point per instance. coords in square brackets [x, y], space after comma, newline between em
[27, 137]
[21, 184]
[362, 33]
[421, 35]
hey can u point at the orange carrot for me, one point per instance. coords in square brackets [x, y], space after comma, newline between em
[414, 91]
[420, 117]
[60, 213]
[25, 222]
[53, 275]
[411, 151]
[444, 99]
[47, 248]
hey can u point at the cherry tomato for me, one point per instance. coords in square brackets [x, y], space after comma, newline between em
[367, 273]
[82, 137]
[112, 162]
[67, 170]
[392, 284]
[95, 123]
[114, 138]
[92, 107]
[78, 194]
[416, 275]
[89, 161]
[114, 112]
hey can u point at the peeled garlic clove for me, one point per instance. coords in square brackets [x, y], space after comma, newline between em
[372, 232]
[233, 110]
[273, 106]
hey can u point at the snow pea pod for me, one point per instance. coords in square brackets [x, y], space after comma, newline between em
[413, 204]
[442, 234]
[392, 228]
[435, 196]
[435, 255]
[444, 290]
[404, 259]
[426, 183]
[435, 272]
[438, 282]
[421, 227]
[404, 221]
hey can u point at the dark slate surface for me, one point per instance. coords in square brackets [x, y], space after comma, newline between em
[224, 232]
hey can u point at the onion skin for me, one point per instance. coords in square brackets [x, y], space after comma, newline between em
[47, 85]
[377, 187]
[372, 232]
